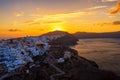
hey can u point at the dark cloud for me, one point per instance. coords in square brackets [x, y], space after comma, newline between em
[116, 23]
[102, 24]
[14, 30]
[116, 9]
[107, 23]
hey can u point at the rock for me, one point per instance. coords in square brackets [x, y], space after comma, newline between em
[67, 55]
[60, 60]
[3, 69]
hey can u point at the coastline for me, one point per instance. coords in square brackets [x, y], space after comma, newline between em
[60, 62]
[74, 68]
[105, 52]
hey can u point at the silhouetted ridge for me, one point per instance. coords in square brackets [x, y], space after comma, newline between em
[97, 35]
[55, 33]
[61, 38]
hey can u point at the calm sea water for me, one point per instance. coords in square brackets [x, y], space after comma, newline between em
[105, 52]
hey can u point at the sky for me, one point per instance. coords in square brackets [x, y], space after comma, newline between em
[20, 18]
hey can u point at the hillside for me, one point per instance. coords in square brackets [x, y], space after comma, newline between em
[55, 33]
[61, 38]
[97, 35]
[74, 67]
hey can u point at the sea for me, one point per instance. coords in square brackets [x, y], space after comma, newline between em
[104, 51]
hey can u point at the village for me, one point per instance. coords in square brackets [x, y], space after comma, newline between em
[17, 52]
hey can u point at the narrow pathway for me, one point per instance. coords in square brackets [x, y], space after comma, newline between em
[58, 74]
[8, 75]
[51, 63]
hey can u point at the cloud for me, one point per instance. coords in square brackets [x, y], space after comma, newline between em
[102, 24]
[116, 9]
[108, 23]
[96, 7]
[29, 21]
[58, 17]
[116, 23]
[32, 22]
[108, 0]
[19, 14]
[55, 21]
[68, 15]
[14, 30]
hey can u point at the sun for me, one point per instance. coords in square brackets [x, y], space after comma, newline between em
[57, 29]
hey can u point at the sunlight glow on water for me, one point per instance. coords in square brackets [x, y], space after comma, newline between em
[105, 52]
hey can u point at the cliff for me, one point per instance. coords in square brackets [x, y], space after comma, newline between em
[47, 68]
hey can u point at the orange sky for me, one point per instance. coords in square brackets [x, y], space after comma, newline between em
[34, 17]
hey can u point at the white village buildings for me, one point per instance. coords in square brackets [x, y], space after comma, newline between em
[15, 52]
